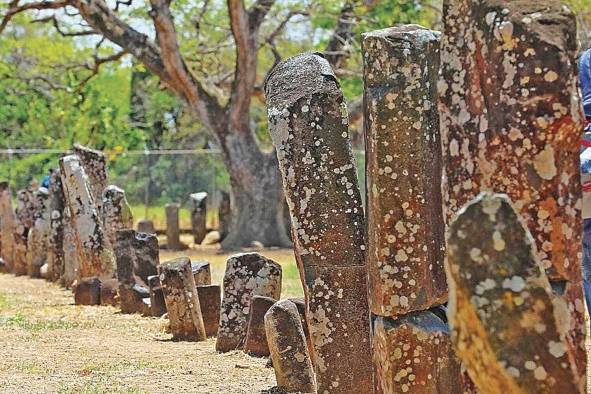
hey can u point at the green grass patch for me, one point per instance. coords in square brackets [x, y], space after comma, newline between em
[20, 321]
[4, 301]
[118, 366]
[102, 386]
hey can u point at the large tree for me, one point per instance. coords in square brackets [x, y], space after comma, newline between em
[188, 64]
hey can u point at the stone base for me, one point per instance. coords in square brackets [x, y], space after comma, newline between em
[88, 291]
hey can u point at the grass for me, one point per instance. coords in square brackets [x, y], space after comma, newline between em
[20, 321]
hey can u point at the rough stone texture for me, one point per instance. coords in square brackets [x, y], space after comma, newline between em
[247, 275]
[201, 272]
[198, 204]
[95, 258]
[224, 215]
[173, 240]
[300, 303]
[38, 237]
[95, 167]
[88, 291]
[506, 327]
[309, 126]
[116, 212]
[110, 292]
[210, 299]
[146, 226]
[413, 354]
[256, 339]
[71, 258]
[55, 250]
[25, 211]
[511, 118]
[287, 345]
[403, 169]
[157, 303]
[147, 257]
[182, 301]
[8, 224]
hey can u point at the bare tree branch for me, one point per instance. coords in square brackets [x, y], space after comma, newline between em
[14, 9]
[95, 67]
[58, 28]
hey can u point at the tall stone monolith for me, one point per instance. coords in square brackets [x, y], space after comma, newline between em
[8, 225]
[37, 239]
[309, 127]
[224, 214]
[506, 327]
[95, 258]
[116, 212]
[247, 275]
[173, 233]
[55, 250]
[131, 293]
[94, 163]
[198, 206]
[25, 210]
[71, 256]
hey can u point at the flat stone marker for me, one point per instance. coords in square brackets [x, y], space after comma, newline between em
[95, 258]
[198, 204]
[413, 354]
[157, 303]
[247, 275]
[308, 123]
[201, 272]
[256, 339]
[116, 212]
[506, 328]
[173, 240]
[55, 252]
[7, 226]
[511, 118]
[210, 299]
[94, 163]
[182, 301]
[88, 291]
[287, 345]
[146, 226]
[403, 168]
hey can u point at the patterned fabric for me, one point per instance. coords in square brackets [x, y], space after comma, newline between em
[585, 79]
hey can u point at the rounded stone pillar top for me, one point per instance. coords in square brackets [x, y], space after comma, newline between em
[198, 197]
[113, 192]
[175, 265]
[172, 205]
[297, 77]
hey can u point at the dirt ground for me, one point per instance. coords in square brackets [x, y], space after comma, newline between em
[49, 345]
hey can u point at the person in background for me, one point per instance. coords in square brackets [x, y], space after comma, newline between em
[585, 80]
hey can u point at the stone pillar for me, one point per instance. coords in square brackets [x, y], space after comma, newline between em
[146, 226]
[131, 294]
[95, 166]
[8, 226]
[24, 215]
[511, 120]
[182, 301]
[309, 127]
[289, 353]
[37, 239]
[256, 339]
[201, 272]
[71, 257]
[94, 256]
[88, 291]
[110, 292]
[157, 303]
[147, 257]
[116, 213]
[173, 240]
[210, 299]
[55, 250]
[505, 326]
[198, 203]
[224, 215]
[247, 275]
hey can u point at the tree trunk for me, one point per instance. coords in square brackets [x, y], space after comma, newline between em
[257, 195]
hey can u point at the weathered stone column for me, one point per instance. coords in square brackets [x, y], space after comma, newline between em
[289, 353]
[182, 301]
[116, 213]
[25, 209]
[94, 256]
[173, 240]
[131, 294]
[37, 239]
[8, 225]
[505, 326]
[147, 257]
[210, 299]
[157, 303]
[55, 252]
[146, 226]
[201, 272]
[224, 215]
[256, 339]
[95, 166]
[247, 275]
[71, 257]
[198, 203]
[308, 123]
[88, 291]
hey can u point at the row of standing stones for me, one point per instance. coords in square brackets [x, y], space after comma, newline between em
[442, 286]
[93, 248]
[469, 279]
